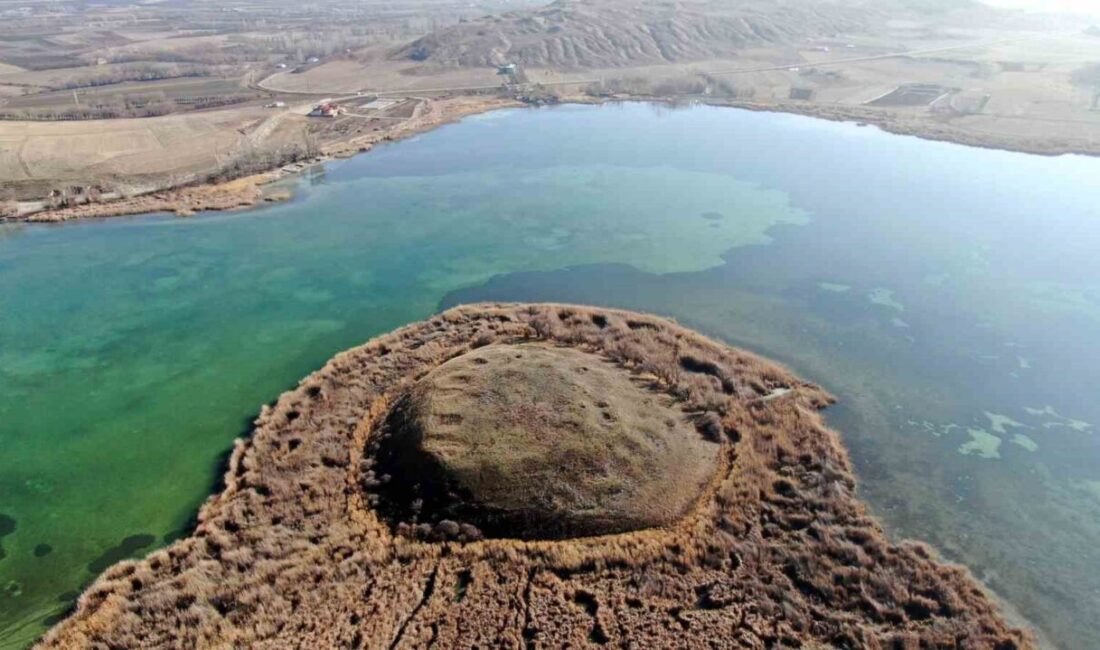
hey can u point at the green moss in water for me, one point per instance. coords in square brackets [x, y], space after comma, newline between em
[7, 527]
[128, 548]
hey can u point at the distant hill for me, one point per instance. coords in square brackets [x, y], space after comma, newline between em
[1093, 30]
[579, 34]
[576, 34]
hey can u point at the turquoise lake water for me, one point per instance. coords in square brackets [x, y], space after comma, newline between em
[949, 296]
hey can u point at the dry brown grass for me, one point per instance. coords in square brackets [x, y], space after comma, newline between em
[779, 552]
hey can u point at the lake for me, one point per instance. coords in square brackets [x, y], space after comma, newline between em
[949, 296]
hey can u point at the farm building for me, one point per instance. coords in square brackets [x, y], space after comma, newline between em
[326, 109]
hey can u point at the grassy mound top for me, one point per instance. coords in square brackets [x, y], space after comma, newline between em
[540, 441]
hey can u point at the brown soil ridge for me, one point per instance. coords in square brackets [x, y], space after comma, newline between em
[777, 552]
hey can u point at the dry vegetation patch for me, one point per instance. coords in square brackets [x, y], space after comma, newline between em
[776, 550]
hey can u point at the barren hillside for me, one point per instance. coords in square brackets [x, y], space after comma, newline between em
[571, 34]
[776, 551]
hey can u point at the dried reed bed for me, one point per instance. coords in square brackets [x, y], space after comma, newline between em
[778, 552]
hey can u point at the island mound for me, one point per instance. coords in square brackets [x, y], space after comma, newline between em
[536, 441]
[540, 476]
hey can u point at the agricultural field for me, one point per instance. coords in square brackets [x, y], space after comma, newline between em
[131, 99]
[152, 59]
[130, 153]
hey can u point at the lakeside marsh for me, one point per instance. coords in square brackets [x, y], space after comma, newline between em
[133, 351]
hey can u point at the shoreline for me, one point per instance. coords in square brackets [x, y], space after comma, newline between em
[247, 191]
[917, 128]
[490, 109]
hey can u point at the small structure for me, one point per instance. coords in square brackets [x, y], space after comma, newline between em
[801, 94]
[381, 104]
[275, 105]
[915, 94]
[281, 66]
[326, 109]
[507, 69]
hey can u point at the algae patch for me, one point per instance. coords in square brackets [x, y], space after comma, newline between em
[1002, 423]
[982, 444]
[937, 430]
[1092, 488]
[885, 298]
[1059, 420]
[1025, 442]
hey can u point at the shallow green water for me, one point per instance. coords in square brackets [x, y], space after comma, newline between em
[949, 296]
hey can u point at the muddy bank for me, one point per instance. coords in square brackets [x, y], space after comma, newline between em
[777, 550]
